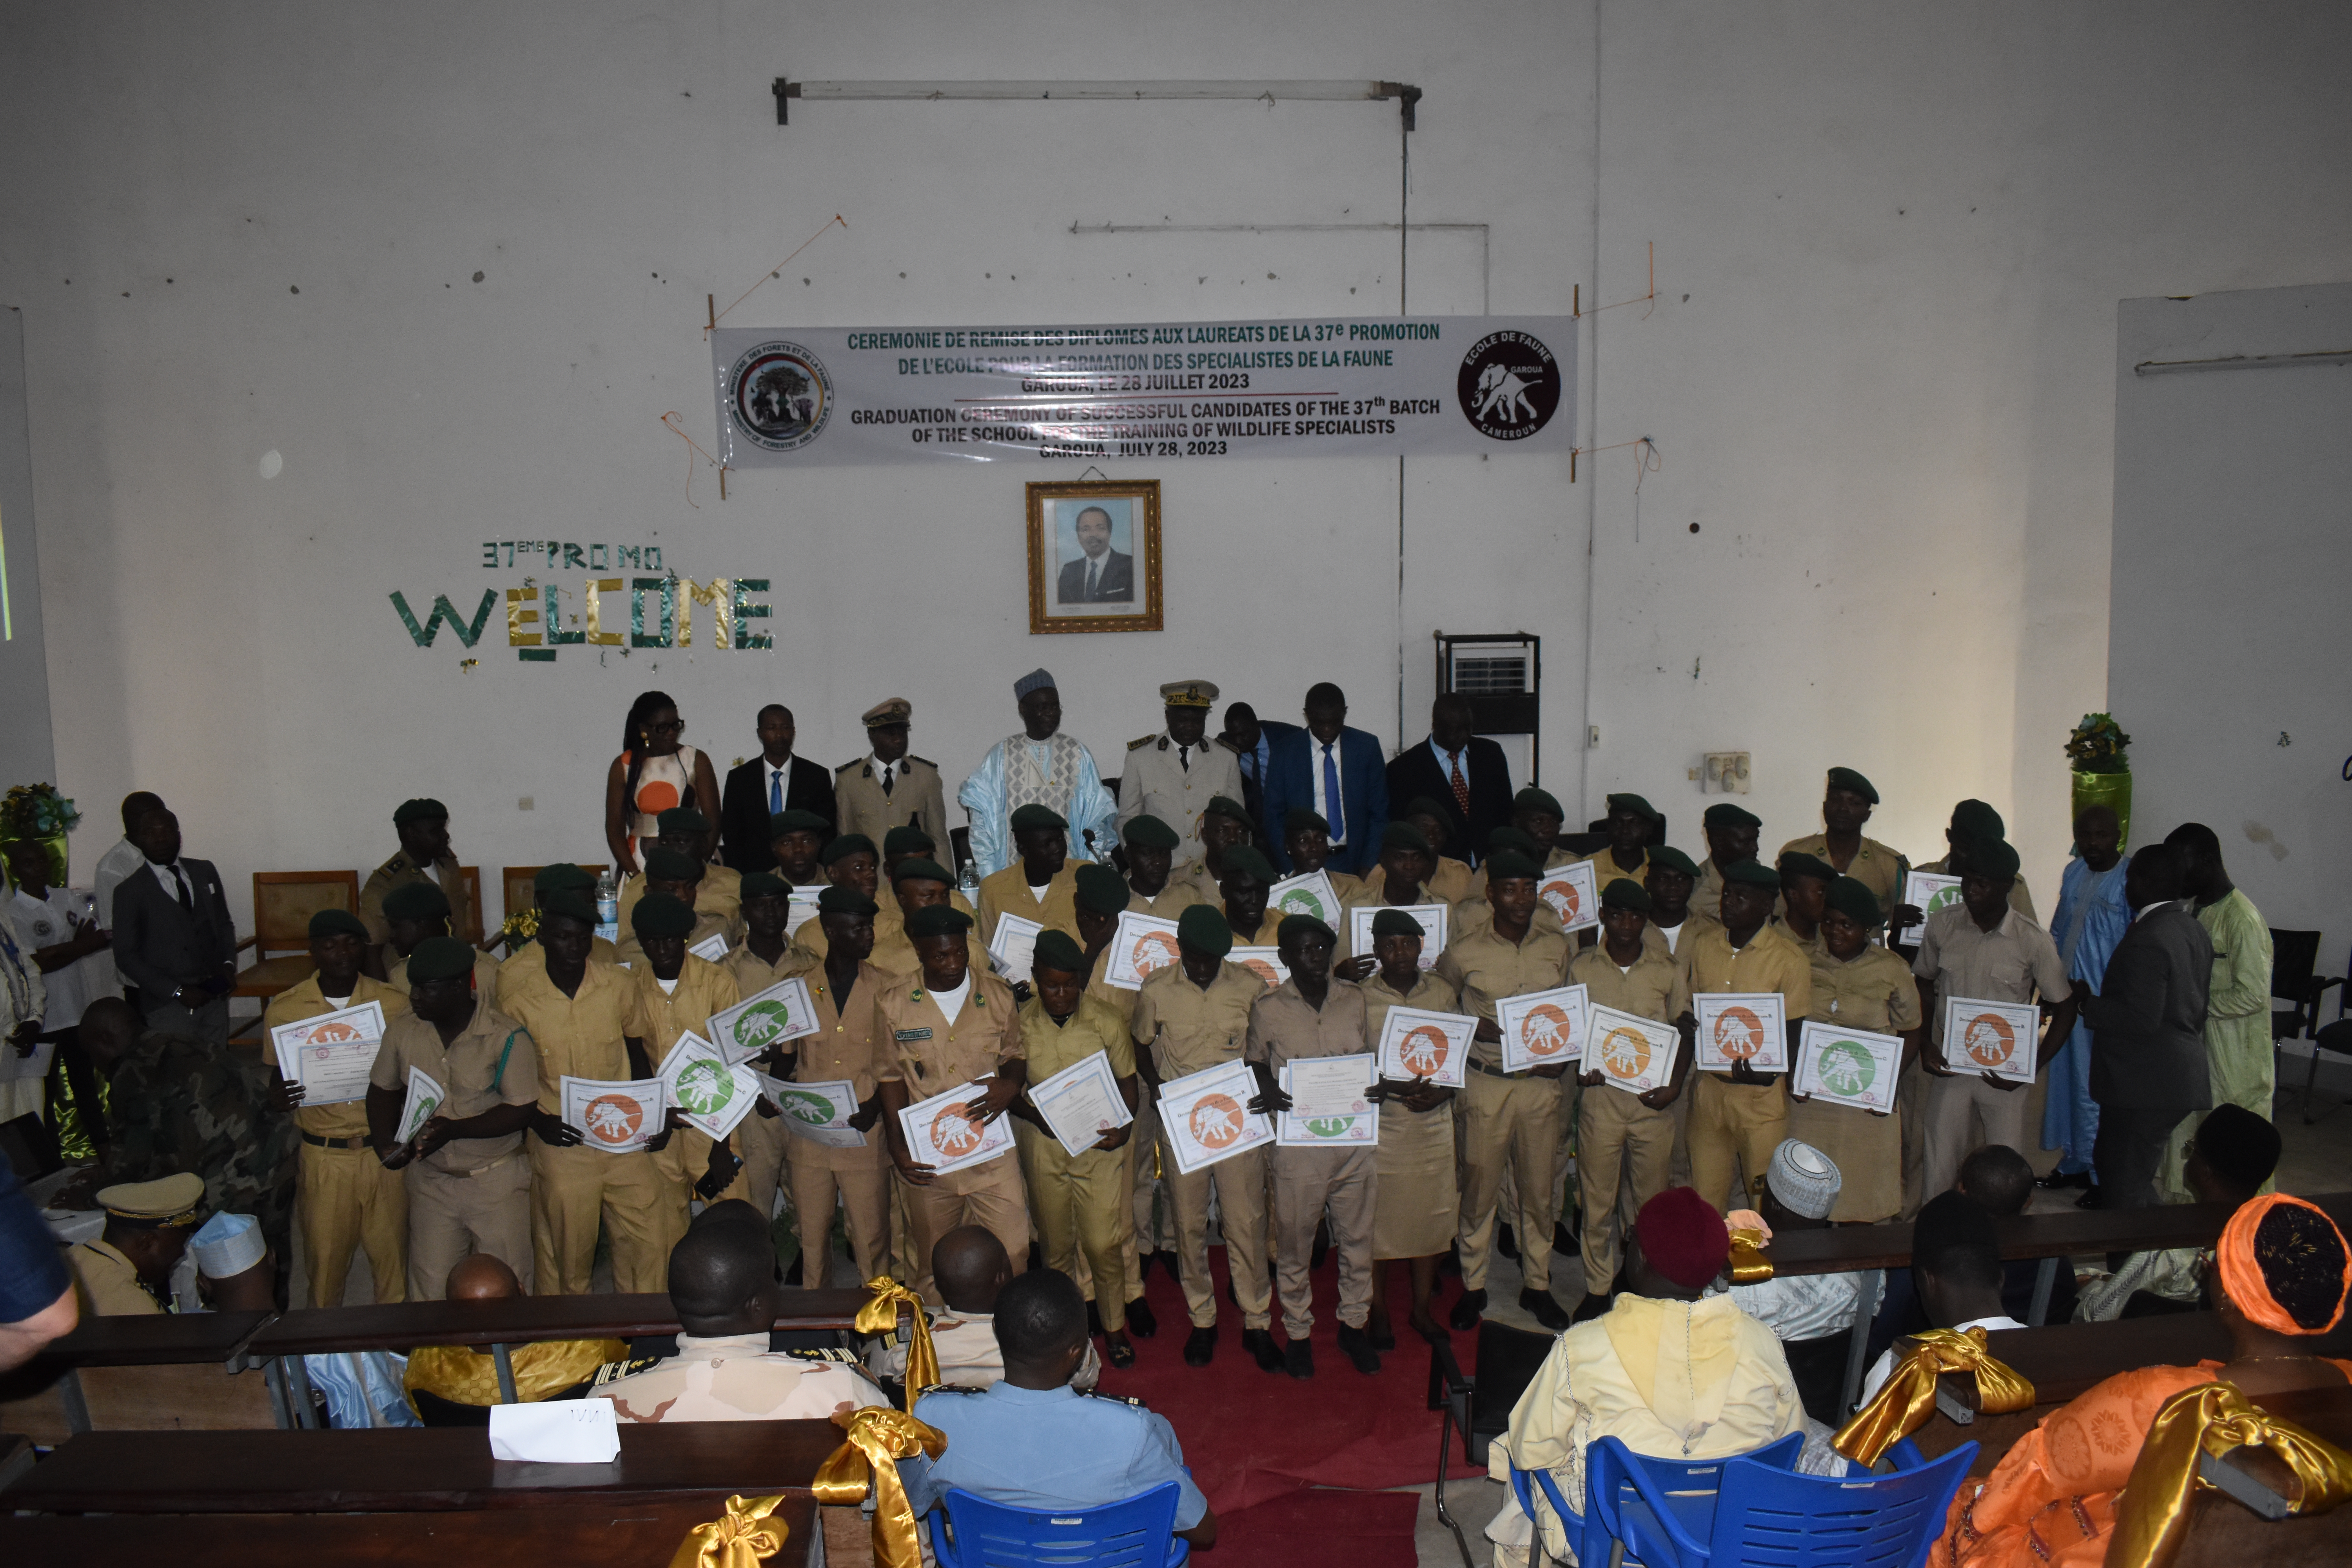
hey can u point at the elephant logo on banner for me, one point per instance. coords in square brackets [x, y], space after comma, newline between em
[779, 395]
[1508, 385]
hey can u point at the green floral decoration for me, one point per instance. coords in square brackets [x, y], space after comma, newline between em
[36, 811]
[2097, 745]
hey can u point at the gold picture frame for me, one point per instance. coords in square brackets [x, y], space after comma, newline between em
[1074, 587]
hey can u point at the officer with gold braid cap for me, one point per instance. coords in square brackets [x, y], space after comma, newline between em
[127, 1271]
[1174, 774]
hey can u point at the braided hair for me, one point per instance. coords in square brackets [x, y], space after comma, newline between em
[634, 739]
[2302, 1258]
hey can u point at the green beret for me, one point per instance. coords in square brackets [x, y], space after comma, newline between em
[1508, 865]
[836, 901]
[416, 902]
[440, 958]
[1673, 859]
[562, 874]
[1534, 799]
[1797, 863]
[1226, 805]
[908, 839]
[919, 869]
[569, 904]
[1624, 893]
[1203, 930]
[682, 819]
[1635, 803]
[336, 922]
[1753, 872]
[1297, 819]
[1509, 838]
[1245, 859]
[1404, 835]
[1847, 778]
[1723, 814]
[1975, 819]
[1034, 817]
[1147, 832]
[1424, 807]
[1304, 926]
[1992, 857]
[673, 866]
[939, 920]
[410, 810]
[795, 821]
[658, 914]
[1099, 889]
[1056, 949]
[1396, 922]
[848, 844]
[1856, 902]
[763, 885]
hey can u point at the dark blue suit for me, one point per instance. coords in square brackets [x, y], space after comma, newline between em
[1294, 760]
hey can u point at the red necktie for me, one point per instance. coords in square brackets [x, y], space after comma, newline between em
[1460, 788]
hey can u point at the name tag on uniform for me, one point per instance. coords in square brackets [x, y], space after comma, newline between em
[903, 1035]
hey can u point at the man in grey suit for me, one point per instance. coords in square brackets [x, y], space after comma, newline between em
[174, 937]
[2147, 1051]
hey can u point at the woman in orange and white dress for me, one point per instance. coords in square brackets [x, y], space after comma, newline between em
[654, 773]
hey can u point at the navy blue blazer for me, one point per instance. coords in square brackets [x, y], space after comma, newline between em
[1363, 794]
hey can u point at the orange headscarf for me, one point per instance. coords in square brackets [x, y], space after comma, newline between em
[2242, 1270]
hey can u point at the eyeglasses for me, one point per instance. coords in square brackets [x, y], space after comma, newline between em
[667, 727]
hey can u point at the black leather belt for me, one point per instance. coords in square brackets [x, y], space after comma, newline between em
[318, 1142]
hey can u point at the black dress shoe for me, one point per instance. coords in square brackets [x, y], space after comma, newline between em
[1382, 1332]
[1356, 1346]
[1139, 1321]
[1505, 1243]
[1545, 1311]
[1119, 1353]
[1564, 1241]
[1467, 1309]
[1592, 1306]
[1298, 1360]
[2089, 1200]
[1201, 1346]
[2056, 1180]
[1260, 1344]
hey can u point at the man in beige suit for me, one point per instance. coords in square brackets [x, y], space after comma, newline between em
[1173, 775]
[887, 788]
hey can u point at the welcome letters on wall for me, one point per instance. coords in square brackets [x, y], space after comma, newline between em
[661, 608]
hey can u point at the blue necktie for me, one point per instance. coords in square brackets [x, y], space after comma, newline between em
[775, 791]
[1331, 795]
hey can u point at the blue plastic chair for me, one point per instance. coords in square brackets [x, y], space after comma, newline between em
[1688, 1487]
[1138, 1533]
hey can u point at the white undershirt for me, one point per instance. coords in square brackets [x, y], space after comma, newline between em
[669, 987]
[1671, 933]
[339, 1003]
[1039, 893]
[952, 1002]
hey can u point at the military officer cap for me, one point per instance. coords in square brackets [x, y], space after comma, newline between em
[166, 1202]
[336, 922]
[409, 811]
[1673, 859]
[658, 914]
[938, 919]
[1976, 819]
[1188, 694]
[672, 866]
[682, 819]
[441, 958]
[1424, 807]
[416, 902]
[1056, 949]
[1034, 817]
[1855, 901]
[763, 885]
[835, 901]
[1203, 930]
[1226, 805]
[1513, 838]
[1035, 680]
[1403, 836]
[1147, 832]
[890, 710]
[922, 871]
[1298, 819]
[1753, 872]
[1847, 778]
[1990, 858]
[1797, 863]
[1624, 893]
[562, 874]
[1244, 858]
[908, 839]
[797, 820]
[1303, 926]
[848, 844]
[1723, 814]
[1635, 803]
[1504, 865]
[567, 903]
[1100, 890]
[1534, 799]
[1396, 922]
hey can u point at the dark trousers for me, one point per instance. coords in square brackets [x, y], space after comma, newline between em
[2128, 1152]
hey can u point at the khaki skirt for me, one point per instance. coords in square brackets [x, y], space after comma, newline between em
[1416, 1211]
[1867, 1151]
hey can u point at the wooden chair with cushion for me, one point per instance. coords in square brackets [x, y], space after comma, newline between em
[283, 903]
[472, 876]
[517, 894]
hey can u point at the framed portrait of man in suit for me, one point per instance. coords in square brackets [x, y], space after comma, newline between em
[1094, 556]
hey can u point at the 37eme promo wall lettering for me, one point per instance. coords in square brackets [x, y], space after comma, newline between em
[536, 617]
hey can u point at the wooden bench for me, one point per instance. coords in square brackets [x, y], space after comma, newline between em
[173, 1370]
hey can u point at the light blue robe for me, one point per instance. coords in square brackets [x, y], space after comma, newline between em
[2091, 920]
[1090, 807]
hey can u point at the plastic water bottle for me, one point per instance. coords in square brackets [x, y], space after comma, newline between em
[968, 883]
[608, 907]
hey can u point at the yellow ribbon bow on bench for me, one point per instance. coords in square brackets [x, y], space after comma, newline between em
[881, 1316]
[1908, 1397]
[2155, 1509]
[873, 1442]
[742, 1537]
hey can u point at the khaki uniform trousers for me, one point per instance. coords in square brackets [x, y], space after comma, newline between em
[572, 1190]
[1241, 1188]
[989, 1194]
[1081, 1202]
[451, 1217]
[347, 1201]
[1155, 1221]
[1624, 1157]
[1306, 1182]
[759, 1142]
[1509, 1124]
[860, 1179]
[1911, 1103]
[1734, 1128]
[1964, 1114]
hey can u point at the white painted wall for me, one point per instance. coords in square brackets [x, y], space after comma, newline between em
[1870, 387]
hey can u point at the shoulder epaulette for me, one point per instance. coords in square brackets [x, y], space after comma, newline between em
[925, 761]
[1229, 746]
[624, 1367]
[1137, 744]
[824, 1353]
[852, 762]
[947, 1388]
[1127, 1399]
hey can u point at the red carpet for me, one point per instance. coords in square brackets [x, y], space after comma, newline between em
[1318, 1527]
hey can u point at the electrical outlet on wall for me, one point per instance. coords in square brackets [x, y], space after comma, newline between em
[1726, 772]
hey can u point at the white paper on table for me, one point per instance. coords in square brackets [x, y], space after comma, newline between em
[1847, 1066]
[1430, 917]
[1013, 950]
[36, 1065]
[784, 1011]
[1741, 1026]
[1416, 1043]
[697, 1078]
[425, 1097]
[940, 1133]
[712, 947]
[330, 1055]
[1308, 893]
[2002, 1038]
[1142, 944]
[558, 1432]
[1569, 891]
[1632, 1052]
[818, 1111]
[1927, 891]
[1081, 1102]
[1544, 1028]
[1330, 1086]
[1266, 962]
[613, 1115]
[1206, 1116]
[800, 909]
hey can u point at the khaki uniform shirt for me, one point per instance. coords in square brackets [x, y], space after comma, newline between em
[754, 975]
[580, 1036]
[894, 952]
[1156, 785]
[719, 893]
[918, 1047]
[1008, 892]
[632, 951]
[107, 1283]
[1706, 899]
[1807, 945]
[916, 797]
[1431, 993]
[1452, 882]
[1284, 1025]
[1876, 866]
[403, 869]
[2007, 964]
[2020, 896]
[1873, 992]
[1190, 1027]
[486, 975]
[531, 957]
[1654, 987]
[1096, 1026]
[1195, 874]
[847, 1047]
[305, 1000]
[1176, 895]
[1769, 962]
[662, 1019]
[889, 926]
[469, 1072]
[1484, 967]
[1268, 933]
[1606, 871]
[1651, 937]
[736, 1377]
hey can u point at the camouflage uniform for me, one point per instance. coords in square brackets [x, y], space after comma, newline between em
[181, 1105]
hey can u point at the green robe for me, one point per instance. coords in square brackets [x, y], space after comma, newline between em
[2238, 1049]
